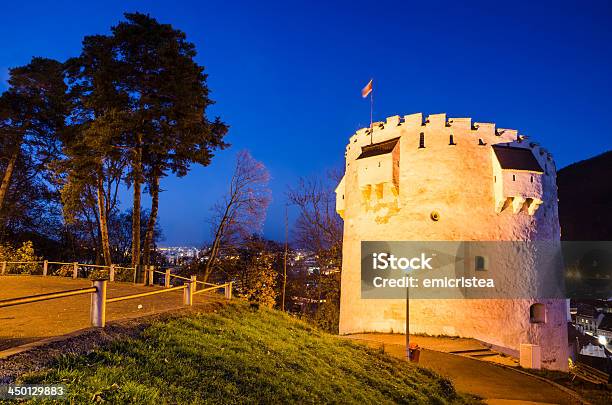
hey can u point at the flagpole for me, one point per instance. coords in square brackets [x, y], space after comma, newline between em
[371, 112]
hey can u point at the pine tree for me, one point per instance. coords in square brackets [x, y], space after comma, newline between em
[32, 116]
[95, 141]
[168, 97]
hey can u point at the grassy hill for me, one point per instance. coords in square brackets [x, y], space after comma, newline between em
[236, 355]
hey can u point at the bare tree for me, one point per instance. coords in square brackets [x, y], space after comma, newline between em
[318, 227]
[242, 211]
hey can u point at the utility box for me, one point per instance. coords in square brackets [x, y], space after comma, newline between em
[530, 356]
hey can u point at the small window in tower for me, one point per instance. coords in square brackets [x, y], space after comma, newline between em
[422, 141]
[514, 177]
[494, 179]
[480, 263]
[451, 140]
[531, 179]
[537, 313]
[378, 164]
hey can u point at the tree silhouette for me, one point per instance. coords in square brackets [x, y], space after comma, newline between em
[32, 116]
[241, 212]
[168, 97]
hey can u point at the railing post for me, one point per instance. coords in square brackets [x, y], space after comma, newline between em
[98, 304]
[111, 273]
[188, 293]
[45, 267]
[194, 280]
[228, 290]
[3, 268]
[150, 275]
[167, 279]
[75, 270]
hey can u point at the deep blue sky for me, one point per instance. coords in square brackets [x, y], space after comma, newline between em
[286, 76]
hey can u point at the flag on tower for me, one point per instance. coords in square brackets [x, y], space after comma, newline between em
[367, 89]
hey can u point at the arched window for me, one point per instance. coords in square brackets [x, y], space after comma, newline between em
[451, 140]
[480, 263]
[422, 141]
[537, 313]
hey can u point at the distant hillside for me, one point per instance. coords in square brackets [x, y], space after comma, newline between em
[585, 199]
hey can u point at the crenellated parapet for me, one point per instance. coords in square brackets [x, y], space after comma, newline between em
[463, 131]
[377, 153]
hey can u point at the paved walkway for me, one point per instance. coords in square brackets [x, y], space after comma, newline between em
[496, 384]
[31, 322]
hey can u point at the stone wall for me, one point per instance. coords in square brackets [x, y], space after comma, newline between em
[459, 181]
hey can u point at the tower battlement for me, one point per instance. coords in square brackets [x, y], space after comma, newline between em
[518, 187]
[460, 128]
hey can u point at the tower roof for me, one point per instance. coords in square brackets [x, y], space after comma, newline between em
[513, 158]
[379, 148]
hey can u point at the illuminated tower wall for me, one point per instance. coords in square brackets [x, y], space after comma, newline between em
[486, 184]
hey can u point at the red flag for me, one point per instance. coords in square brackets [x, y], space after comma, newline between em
[367, 89]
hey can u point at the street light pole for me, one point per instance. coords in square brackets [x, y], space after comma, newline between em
[408, 322]
[285, 261]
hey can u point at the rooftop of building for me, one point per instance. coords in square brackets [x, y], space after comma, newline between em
[379, 148]
[513, 158]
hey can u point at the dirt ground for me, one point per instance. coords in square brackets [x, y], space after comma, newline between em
[31, 322]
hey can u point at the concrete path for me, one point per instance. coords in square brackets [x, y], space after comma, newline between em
[495, 384]
[28, 323]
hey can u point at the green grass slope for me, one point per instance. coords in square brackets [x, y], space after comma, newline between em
[235, 355]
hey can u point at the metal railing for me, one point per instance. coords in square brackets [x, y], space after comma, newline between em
[227, 287]
[99, 286]
[99, 299]
[43, 297]
[589, 373]
[112, 269]
[146, 294]
[98, 289]
[210, 286]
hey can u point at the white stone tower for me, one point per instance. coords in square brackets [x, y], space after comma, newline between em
[450, 180]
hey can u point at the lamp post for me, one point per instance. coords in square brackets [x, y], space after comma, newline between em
[285, 257]
[408, 321]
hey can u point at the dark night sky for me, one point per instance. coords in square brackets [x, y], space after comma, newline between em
[286, 77]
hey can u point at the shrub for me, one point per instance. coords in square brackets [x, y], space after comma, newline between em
[99, 273]
[65, 271]
[25, 253]
[124, 274]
